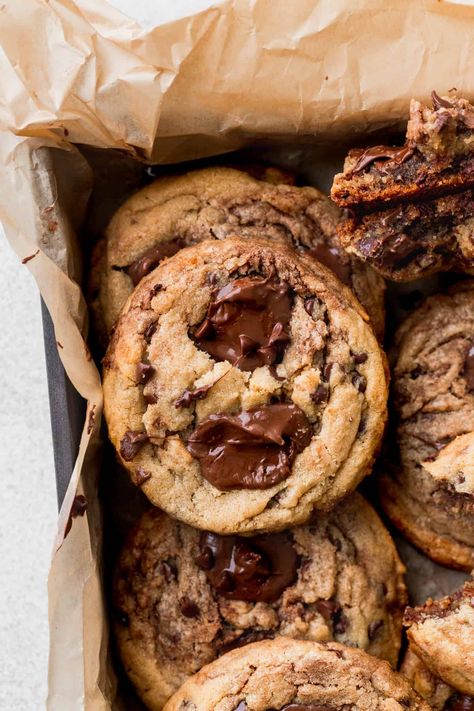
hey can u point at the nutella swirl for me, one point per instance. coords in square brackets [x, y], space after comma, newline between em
[252, 450]
[247, 322]
[256, 569]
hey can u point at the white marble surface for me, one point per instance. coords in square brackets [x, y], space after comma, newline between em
[28, 494]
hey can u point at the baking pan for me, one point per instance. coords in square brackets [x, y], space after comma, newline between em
[67, 410]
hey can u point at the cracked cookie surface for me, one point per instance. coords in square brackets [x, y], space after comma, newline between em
[177, 211]
[230, 445]
[183, 597]
[441, 633]
[429, 492]
[295, 674]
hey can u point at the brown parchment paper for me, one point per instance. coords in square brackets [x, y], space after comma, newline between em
[311, 74]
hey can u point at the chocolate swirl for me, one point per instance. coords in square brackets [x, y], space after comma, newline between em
[247, 322]
[256, 569]
[374, 153]
[252, 450]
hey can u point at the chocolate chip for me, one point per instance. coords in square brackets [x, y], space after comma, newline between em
[359, 358]
[150, 398]
[359, 382]
[188, 607]
[459, 702]
[212, 279]
[468, 371]
[416, 372]
[149, 331]
[141, 476]
[156, 289]
[241, 707]
[144, 373]
[169, 569]
[374, 628]
[332, 612]
[320, 394]
[327, 371]
[309, 305]
[205, 558]
[131, 443]
[151, 259]
[439, 102]
[378, 153]
[189, 396]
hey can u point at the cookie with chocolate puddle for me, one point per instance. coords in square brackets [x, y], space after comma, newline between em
[177, 211]
[296, 675]
[183, 597]
[246, 381]
[429, 492]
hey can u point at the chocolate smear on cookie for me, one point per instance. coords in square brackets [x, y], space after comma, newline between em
[247, 322]
[256, 569]
[468, 372]
[131, 443]
[386, 153]
[151, 259]
[252, 450]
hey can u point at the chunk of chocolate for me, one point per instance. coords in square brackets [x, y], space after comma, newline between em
[189, 396]
[188, 607]
[468, 372]
[439, 102]
[256, 569]
[459, 702]
[332, 612]
[334, 259]
[149, 331]
[144, 373]
[131, 443]
[247, 322]
[382, 153]
[320, 394]
[252, 450]
[151, 258]
[141, 476]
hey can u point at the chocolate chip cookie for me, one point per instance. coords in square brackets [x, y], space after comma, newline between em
[431, 688]
[441, 634]
[183, 597]
[295, 675]
[429, 492]
[174, 212]
[243, 387]
[412, 207]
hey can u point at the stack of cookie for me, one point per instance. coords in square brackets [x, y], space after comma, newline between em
[245, 392]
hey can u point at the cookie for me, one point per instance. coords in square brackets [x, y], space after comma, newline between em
[428, 489]
[435, 692]
[183, 597]
[174, 212]
[441, 634]
[295, 675]
[243, 387]
[412, 207]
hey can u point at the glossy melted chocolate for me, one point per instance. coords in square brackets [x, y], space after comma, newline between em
[256, 569]
[370, 155]
[247, 322]
[252, 450]
[151, 258]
